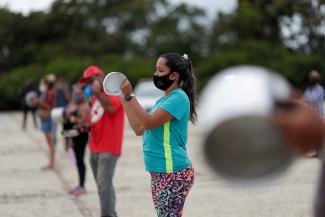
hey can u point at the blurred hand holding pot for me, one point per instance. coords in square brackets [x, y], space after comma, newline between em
[242, 141]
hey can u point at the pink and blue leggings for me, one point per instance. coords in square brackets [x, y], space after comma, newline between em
[169, 191]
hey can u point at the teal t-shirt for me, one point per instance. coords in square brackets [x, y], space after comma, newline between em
[165, 146]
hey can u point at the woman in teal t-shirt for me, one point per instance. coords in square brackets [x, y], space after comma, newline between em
[164, 129]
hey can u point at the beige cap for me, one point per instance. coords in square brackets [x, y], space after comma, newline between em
[50, 77]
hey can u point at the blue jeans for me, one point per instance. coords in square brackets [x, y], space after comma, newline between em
[46, 125]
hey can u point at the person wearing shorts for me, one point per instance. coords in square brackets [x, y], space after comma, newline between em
[46, 104]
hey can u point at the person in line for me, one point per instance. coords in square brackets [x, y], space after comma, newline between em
[62, 98]
[165, 132]
[45, 105]
[77, 112]
[106, 135]
[314, 94]
[27, 92]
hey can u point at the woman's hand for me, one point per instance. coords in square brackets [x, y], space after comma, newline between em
[126, 87]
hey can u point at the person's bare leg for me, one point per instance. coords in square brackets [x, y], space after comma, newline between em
[34, 119]
[48, 137]
[24, 119]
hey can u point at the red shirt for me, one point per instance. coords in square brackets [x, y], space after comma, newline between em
[107, 132]
[49, 99]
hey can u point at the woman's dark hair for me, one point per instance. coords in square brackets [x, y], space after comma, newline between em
[183, 66]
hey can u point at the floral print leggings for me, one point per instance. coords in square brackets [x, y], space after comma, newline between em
[169, 191]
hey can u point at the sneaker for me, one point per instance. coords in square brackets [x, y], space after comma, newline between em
[79, 191]
[70, 191]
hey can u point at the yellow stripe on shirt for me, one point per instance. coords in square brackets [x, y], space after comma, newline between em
[167, 148]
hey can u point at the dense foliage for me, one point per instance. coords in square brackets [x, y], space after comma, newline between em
[284, 35]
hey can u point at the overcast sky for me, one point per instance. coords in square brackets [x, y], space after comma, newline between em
[211, 6]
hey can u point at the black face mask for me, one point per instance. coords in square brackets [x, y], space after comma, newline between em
[162, 82]
[313, 81]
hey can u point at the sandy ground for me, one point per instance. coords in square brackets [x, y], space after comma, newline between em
[26, 191]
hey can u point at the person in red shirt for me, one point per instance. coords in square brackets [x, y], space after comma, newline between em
[107, 123]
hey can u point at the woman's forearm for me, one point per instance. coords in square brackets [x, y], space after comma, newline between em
[133, 120]
[147, 121]
[142, 115]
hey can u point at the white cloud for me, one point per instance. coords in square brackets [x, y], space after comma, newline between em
[25, 6]
[212, 6]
